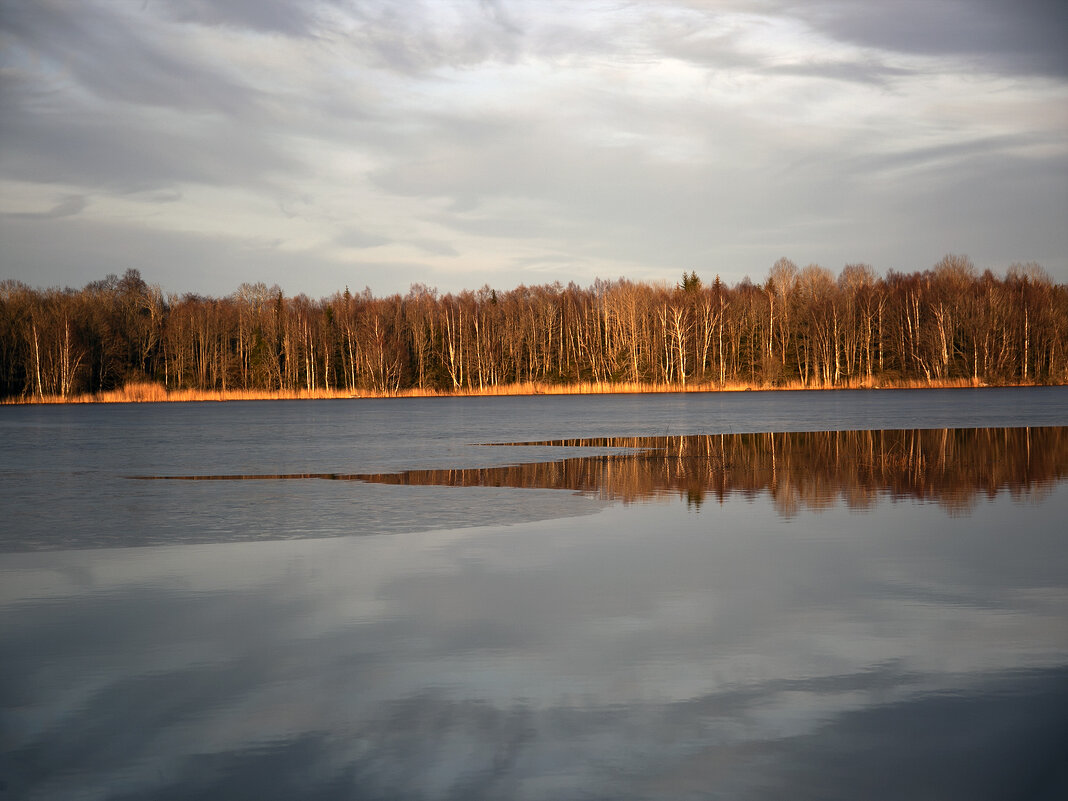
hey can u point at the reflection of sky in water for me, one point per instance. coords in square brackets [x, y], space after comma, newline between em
[538, 644]
[645, 651]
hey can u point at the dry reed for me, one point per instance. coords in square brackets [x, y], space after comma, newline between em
[149, 392]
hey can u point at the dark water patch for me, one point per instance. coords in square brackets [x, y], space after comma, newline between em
[255, 477]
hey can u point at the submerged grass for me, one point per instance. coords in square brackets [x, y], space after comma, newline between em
[150, 392]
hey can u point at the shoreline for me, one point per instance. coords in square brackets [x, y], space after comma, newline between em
[157, 393]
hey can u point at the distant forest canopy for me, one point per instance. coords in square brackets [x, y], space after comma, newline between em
[800, 326]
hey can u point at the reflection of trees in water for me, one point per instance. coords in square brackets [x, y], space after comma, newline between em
[809, 470]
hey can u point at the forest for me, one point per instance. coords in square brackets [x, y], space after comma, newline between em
[801, 327]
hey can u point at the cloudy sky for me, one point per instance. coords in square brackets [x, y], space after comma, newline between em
[337, 143]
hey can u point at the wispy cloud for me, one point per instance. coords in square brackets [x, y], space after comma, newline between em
[67, 207]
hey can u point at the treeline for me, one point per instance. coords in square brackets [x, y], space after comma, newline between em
[804, 327]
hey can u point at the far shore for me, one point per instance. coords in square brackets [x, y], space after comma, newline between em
[145, 392]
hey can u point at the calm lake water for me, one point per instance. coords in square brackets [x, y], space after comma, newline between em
[740, 596]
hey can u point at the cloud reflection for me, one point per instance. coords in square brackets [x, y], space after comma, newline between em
[629, 654]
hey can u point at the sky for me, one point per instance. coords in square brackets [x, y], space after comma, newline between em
[370, 143]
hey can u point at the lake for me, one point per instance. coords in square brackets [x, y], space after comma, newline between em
[741, 596]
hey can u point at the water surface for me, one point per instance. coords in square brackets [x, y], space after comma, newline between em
[836, 595]
[64, 470]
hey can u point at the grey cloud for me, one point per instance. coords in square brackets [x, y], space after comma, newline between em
[867, 72]
[615, 202]
[144, 153]
[1011, 36]
[353, 237]
[547, 261]
[95, 46]
[1007, 36]
[68, 207]
[499, 226]
[163, 196]
[723, 52]
[435, 247]
[832, 200]
[495, 11]
[269, 16]
[409, 40]
[962, 201]
[356, 238]
[705, 42]
[75, 250]
[946, 155]
[1015, 36]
